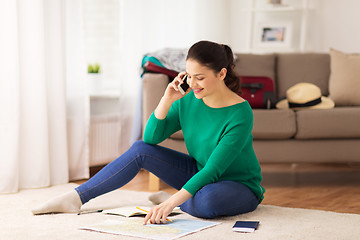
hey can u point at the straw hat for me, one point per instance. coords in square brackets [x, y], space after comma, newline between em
[305, 96]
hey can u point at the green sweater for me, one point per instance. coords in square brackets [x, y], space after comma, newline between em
[219, 139]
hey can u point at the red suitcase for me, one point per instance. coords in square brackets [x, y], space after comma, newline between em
[258, 91]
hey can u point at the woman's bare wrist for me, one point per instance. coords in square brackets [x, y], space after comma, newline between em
[163, 108]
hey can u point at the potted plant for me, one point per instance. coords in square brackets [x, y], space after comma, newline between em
[95, 78]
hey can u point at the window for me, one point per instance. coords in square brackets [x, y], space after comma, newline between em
[101, 39]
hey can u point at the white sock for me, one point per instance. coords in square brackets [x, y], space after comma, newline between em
[67, 203]
[159, 197]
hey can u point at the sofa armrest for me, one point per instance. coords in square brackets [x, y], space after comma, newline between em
[154, 85]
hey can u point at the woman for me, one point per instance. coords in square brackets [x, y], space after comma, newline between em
[221, 175]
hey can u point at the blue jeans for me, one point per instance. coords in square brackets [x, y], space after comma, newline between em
[223, 198]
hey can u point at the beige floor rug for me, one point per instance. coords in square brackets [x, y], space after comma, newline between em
[17, 222]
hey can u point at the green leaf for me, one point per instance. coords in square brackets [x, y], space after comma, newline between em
[96, 68]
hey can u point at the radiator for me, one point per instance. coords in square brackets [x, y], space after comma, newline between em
[104, 138]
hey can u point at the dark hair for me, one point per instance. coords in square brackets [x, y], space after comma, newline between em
[216, 57]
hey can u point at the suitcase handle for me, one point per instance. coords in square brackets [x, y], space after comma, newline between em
[253, 86]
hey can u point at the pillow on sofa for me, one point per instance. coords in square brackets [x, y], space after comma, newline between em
[344, 83]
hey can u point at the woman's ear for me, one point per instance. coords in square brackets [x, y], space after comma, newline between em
[222, 73]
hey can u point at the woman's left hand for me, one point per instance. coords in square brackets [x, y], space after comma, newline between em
[159, 213]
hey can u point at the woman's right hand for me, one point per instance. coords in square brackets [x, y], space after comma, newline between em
[172, 92]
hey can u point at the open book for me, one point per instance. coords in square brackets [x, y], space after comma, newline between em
[131, 211]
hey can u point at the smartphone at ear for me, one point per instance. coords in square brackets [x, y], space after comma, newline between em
[184, 86]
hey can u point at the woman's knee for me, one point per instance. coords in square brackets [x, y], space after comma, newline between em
[203, 204]
[140, 146]
[221, 199]
[201, 210]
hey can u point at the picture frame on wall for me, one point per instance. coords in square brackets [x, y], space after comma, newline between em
[273, 35]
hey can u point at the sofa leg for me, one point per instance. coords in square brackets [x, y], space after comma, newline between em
[154, 182]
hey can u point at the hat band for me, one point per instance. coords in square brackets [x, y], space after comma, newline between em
[307, 104]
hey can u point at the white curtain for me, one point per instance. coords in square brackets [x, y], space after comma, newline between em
[36, 149]
[77, 94]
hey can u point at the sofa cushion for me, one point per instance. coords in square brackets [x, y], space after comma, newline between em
[255, 65]
[309, 151]
[344, 83]
[274, 124]
[340, 122]
[293, 68]
[153, 89]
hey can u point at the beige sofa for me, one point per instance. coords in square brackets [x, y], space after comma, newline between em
[284, 136]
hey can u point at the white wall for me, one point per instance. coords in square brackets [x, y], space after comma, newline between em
[337, 25]
[331, 24]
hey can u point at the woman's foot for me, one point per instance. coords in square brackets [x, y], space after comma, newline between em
[67, 203]
[159, 197]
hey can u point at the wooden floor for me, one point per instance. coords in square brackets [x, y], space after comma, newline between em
[334, 187]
